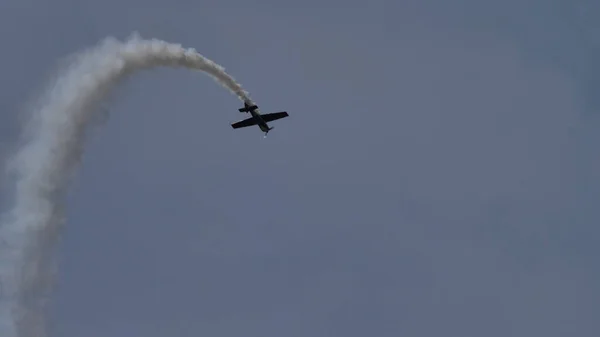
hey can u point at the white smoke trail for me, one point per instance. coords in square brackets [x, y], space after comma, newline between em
[45, 162]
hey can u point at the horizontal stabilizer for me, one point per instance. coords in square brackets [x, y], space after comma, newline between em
[274, 116]
[247, 108]
[244, 123]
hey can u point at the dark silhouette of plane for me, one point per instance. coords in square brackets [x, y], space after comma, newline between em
[257, 118]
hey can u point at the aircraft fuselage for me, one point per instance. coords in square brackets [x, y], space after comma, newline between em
[260, 121]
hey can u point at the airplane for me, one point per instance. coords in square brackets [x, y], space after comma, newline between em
[257, 118]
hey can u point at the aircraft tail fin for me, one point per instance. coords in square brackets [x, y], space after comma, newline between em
[247, 108]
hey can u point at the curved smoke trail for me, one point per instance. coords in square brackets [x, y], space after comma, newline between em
[44, 164]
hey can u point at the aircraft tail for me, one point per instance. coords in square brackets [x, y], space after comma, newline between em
[247, 108]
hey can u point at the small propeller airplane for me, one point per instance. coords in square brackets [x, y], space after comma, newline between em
[257, 118]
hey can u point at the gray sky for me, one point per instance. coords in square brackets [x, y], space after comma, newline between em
[439, 173]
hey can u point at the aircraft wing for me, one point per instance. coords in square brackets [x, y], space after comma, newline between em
[244, 123]
[274, 116]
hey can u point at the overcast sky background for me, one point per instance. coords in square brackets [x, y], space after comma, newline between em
[439, 173]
